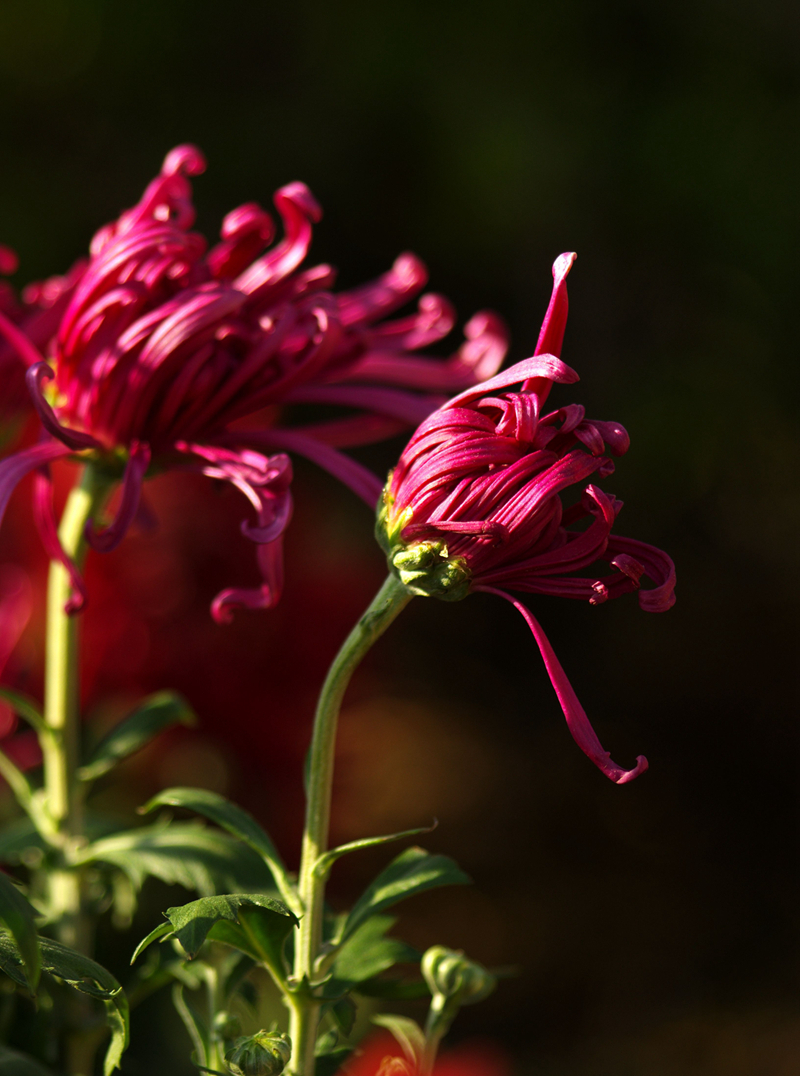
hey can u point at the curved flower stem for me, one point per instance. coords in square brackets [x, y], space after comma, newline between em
[60, 743]
[390, 600]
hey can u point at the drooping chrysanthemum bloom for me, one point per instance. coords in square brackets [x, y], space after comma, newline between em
[165, 346]
[475, 505]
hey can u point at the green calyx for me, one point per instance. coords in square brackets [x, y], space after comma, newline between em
[263, 1054]
[424, 568]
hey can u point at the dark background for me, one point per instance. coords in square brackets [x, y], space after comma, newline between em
[654, 925]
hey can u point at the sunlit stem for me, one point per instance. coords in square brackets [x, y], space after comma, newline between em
[441, 1014]
[60, 744]
[390, 600]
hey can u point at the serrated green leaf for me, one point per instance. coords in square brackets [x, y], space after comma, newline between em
[325, 862]
[237, 822]
[196, 1028]
[81, 973]
[20, 918]
[14, 1063]
[182, 853]
[413, 871]
[368, 952]
[263, 921]
[407, 1032]
[158, 712]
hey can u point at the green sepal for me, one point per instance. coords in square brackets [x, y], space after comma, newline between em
[413, 871]
[156, 713]
[407, 1032]
[327, 859]
[19, 916]
[368, 952]
[81, 973]
[237, 822]
[181, 853]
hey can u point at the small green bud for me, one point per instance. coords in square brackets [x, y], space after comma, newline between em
[449, 974]
[264, 1054]
[227, 1025]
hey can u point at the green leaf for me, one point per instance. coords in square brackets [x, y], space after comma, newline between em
[198, 1032]
[407, 1032]
[325, 862]
[344, 1012]
[328, 1064]
[26, 707]
[20, 918]
[236, 821]
[182, 853]
[154, 935]
[413, 871]
[255, 924]
[14, 1063]
[393, 989]
[367, 952]
[82, 974]
[158, 712]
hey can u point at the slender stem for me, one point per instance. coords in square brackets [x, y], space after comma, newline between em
[60, 747]
[390, 600]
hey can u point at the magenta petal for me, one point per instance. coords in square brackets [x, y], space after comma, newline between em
[74, 439]
[46, 524]
[135, 470]
[270, 562]
[19, 341]
[537, 368]
[16, 606]
[551, 336]
[14, 468]
[578, 723]
[355, 476]
[394, 402]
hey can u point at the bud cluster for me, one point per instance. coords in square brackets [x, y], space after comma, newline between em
[264, 1054]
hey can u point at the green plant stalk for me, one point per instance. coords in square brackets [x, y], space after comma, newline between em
[60, 741]
[387, 604]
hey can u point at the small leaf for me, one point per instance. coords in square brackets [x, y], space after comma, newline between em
[367, 952]
[158, 712]
[182, 853]
[344, 1012]
[154, 935]
[407, 1032]
[236, 821]
[14, 1063]
[82, 974]
[25, 707]
[20, 918]
[255, 924]
[413, 871]
[198, 1032]
[325, 862]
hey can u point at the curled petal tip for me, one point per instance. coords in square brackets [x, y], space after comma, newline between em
[185, 160]
[300, 196]
[629, 775]
[562, 265]
[411, 270]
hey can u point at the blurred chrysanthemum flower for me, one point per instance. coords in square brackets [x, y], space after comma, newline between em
[474, 504]
[164, 347]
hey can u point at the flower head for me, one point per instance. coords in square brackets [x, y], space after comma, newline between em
[475, 503]
[164, 347]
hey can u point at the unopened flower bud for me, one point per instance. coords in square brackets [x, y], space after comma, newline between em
[451, 975]
[264, 1054]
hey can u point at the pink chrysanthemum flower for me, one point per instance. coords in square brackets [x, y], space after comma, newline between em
[164, 347]
[475, 505]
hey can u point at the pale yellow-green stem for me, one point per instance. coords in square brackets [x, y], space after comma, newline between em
[61, 743]
[390, 600]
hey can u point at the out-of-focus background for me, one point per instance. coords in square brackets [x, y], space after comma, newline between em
[654, 925]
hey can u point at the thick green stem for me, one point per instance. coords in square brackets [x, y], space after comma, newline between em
[61, 743]
[390, 600]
